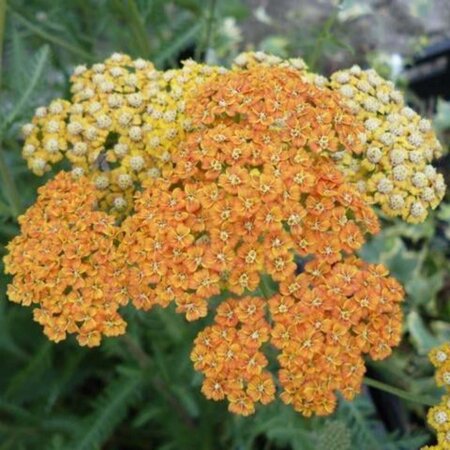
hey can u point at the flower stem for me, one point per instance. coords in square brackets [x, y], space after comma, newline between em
[144, 360]
[398, 392]
[264, 287]
[203, 46]
[2, 33]
[138, 28]
[5, 174]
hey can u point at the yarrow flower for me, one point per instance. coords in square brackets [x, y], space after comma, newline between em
[253, 192]
[322, 323]
[123, 122]
[254, 183]
[250, 187]
[395, 170]
[439, 416]
[65, 263]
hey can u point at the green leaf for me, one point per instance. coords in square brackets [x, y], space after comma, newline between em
[35, 367]
[422, 338]
[402, 263]
[444, 212]
[335, 435]
[362, 432]
[40, 63]
[50, 37]
[422, 290]
[16, 73]
[110, 410]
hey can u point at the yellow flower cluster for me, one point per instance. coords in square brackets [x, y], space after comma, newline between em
[439, 416]
[395, 169]
[121, 127]
[65, 262]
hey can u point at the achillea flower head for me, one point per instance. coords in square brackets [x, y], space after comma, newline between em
[252, 190]
[395, 170]
[439, 415]
[120, 127]
[240, 180]
[65, 263]
[229, 354]
[324, 321]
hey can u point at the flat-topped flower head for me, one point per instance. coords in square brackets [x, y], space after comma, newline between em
[254, 192]
[322, 323]
[229, 354]
[395, 170]
[233, 182]
[250, 188]
[122, 123]
[64, 262]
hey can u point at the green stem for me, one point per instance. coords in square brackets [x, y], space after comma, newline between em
[138, 28]
[206, 42]
[50, 37]
[145, 362]
[398, 392]
[264, 288]
[324, 33]
[5, 175]
[2, 33]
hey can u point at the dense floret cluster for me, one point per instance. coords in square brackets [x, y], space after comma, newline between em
[250, 192]
[253, 194]
[65, 262]
[121, 127]
[395, 168]
[254, 183]
[322, 323]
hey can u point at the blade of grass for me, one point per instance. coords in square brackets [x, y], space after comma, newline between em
[137, 27]
[50, 37]
[8, 181]
[398, 392]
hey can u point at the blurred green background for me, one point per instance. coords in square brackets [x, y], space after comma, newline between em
[140, 391]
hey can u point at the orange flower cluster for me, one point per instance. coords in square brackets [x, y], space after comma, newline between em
[66, 263]
[240, 181]
[252, 192]
[324, 320]
[229, 354]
